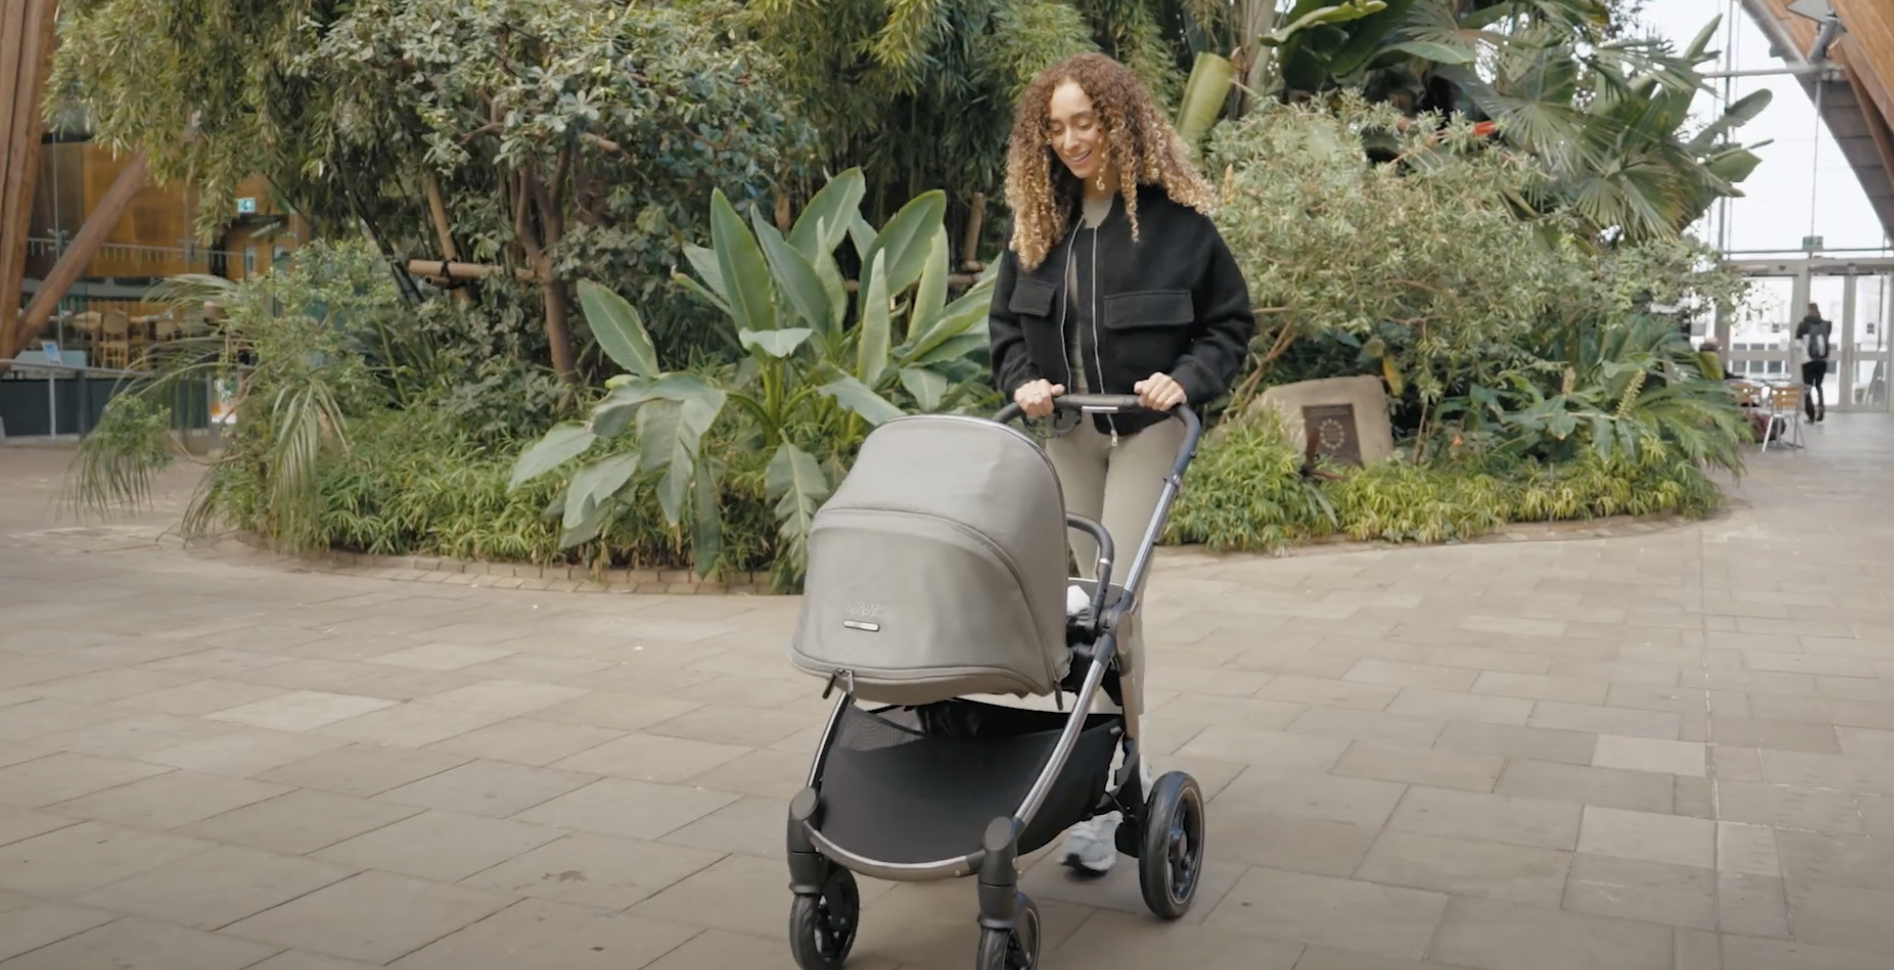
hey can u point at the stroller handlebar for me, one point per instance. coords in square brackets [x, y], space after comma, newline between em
[1119, 403]
[1114, 404]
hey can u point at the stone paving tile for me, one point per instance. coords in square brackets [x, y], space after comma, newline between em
[374, 917]
[61, 777]
[652, 757]
[20, 823]
[77, 858]
[169, 800]
[750, 894]
[1479, 816]
[1294, 843]
[1507, 741]
[439, 845]
[1612, 787]
[412, 725]
[1333, 798]
[1111, 939]
[363, 770]
[301, 710]
[33, 925]
[1467, 868]
[720, 950]
[1489, 934]
[631, 809]
[134, 943]
[299, 822]
[216, 888]
[1368, 918]
[488, 788]
[1655, 892]
[292, 960]
[594, 870]
[1789, 808]
[135, 736]
[1420, 766]
[527, 742]
[550, 935]
[920, 925]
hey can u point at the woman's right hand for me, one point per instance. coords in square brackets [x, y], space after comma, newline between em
[1035, 399]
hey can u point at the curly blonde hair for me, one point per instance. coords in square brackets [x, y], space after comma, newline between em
[1139, 142]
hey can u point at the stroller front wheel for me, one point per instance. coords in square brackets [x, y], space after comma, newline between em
[1015, 950]
[822, 929]
[1172, 857]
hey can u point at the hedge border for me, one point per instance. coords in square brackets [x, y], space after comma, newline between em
[680, 582]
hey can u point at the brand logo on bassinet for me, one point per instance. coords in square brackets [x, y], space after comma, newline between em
[863, 616]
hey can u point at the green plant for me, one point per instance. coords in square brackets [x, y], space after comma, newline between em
[1631, 390]
[1415, 271]
[808, 387]
[1246, 490]
[549, 139]
[281, 342]
[1249, 491]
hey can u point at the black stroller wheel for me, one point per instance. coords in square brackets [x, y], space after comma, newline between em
[822, 928]
[1017, 950]
[1172, 861]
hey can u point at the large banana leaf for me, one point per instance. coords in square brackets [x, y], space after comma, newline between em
[1204, 96]
[795, 276]
[619, 330]
[744, 270]
[902, 246]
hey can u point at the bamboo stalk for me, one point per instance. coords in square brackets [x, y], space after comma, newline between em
[443, 230]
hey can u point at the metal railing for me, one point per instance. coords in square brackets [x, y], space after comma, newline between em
[182, 412]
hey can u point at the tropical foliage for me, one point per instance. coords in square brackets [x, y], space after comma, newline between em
[671, 331]
[805, 391]
[552, 139]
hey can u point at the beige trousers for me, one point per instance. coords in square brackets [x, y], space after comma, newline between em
[1118, 486]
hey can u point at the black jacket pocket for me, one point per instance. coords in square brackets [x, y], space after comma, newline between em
[1148, 308]
[1032, 297]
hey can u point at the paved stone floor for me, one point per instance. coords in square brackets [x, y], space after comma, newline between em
[1666, 751]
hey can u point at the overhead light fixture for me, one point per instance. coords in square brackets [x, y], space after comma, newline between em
[1822, 12]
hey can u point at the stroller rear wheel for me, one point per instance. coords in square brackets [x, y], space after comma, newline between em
[822, 928]
[1172, 856]
[1015, 950]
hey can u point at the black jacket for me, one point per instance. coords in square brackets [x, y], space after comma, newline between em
[1173, 302]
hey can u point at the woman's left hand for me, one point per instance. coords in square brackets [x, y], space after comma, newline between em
[1159, 392]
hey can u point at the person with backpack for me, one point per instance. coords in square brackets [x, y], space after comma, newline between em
[1815, 335]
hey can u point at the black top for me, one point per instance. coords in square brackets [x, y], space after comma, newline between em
[1173, 302]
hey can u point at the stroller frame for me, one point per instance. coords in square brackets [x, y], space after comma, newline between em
[1163, 829]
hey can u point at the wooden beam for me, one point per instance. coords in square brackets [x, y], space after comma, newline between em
[26, 41]
[98, 224]
[1878, 132]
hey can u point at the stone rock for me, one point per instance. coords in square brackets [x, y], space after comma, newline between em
[1342, 419]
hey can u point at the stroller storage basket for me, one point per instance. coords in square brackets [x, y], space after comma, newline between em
[915, 785]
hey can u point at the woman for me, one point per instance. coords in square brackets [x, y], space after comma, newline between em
[1115, 281]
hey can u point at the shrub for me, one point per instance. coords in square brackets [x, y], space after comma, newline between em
[1248, 492]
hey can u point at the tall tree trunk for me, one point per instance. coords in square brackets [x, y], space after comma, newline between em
[537, 237]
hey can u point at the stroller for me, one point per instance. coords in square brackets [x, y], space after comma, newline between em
[938, 570]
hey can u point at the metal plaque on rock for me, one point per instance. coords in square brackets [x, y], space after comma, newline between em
[1331, 433]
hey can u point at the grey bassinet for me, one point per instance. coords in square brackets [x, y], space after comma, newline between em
[938, 568]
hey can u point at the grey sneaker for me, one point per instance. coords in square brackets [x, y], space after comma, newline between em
[1092, 848]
